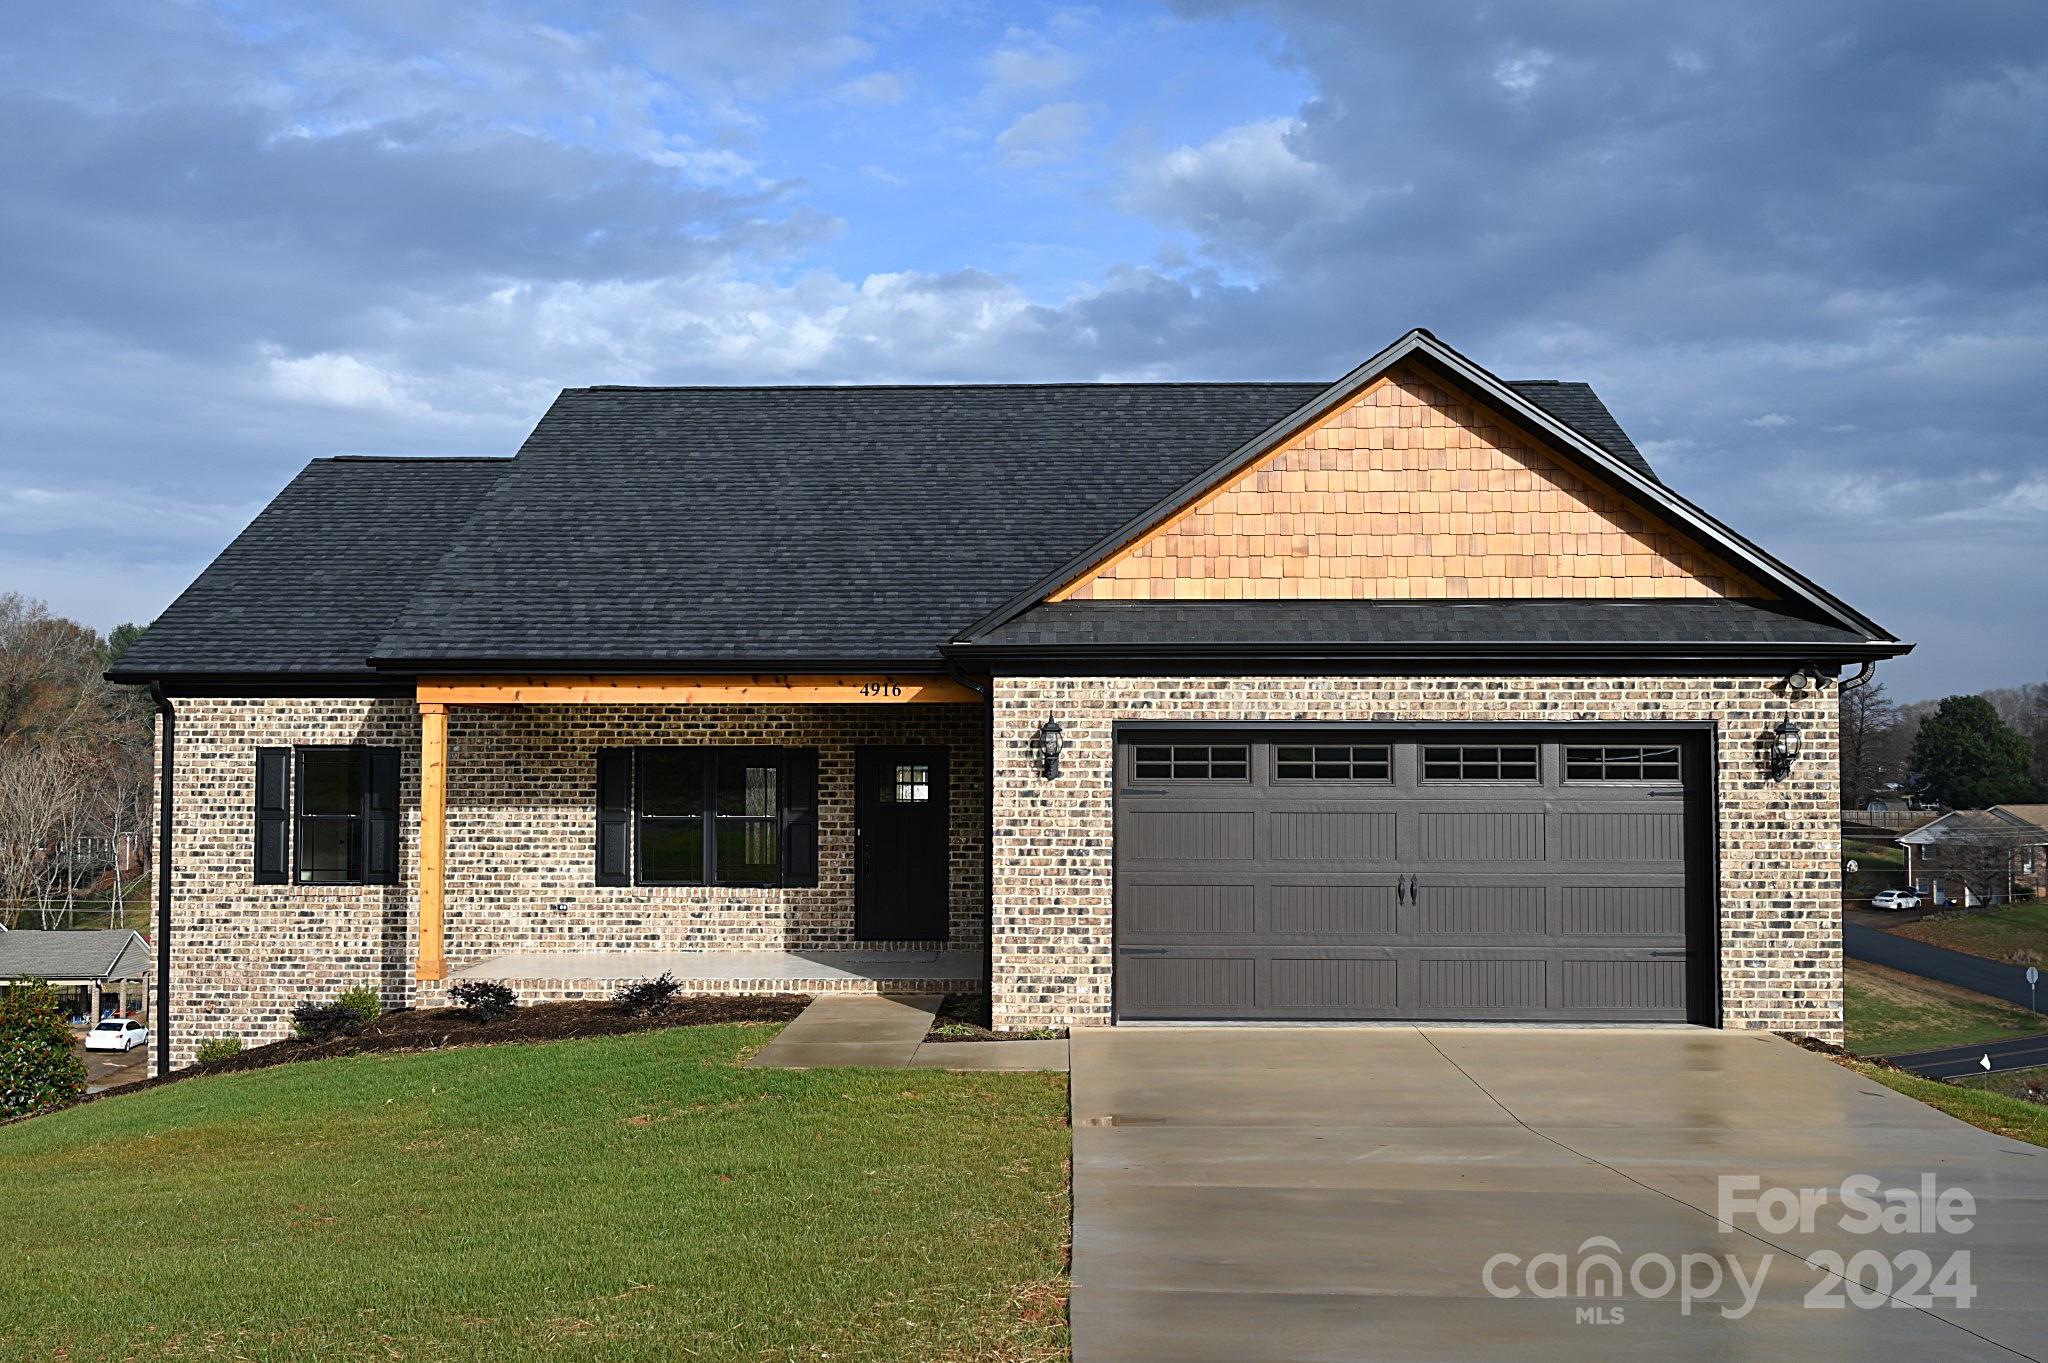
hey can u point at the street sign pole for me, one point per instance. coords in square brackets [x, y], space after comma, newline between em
[2033, 978]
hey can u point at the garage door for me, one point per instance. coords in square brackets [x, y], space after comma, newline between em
[1533, 876]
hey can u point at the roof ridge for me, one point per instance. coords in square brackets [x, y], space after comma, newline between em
[413, 458]
[937, 387]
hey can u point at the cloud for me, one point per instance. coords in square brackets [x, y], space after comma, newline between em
[1769, 420]
[1520, 73]
[1026, 64]
[338, 381]
[876, 87]
[1240, 188]
[1051, 132]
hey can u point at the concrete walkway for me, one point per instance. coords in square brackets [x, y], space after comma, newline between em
[1999, 979]
[1244, 1195]
[882, 1031]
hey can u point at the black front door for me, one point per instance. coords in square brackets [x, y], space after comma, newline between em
[900, 827]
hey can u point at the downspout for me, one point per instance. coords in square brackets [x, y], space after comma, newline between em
[1863, 675]
[166, 764]
[986, 690]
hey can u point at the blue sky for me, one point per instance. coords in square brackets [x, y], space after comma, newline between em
[1802, 250]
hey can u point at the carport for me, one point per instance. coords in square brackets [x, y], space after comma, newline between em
[85, 965]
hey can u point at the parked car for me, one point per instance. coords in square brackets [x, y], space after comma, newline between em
[117, 1034]
[1895, 899]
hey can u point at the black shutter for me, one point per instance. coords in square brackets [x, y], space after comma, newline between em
[614, 816]
[273, 815]
[380, 816]
[800, 816]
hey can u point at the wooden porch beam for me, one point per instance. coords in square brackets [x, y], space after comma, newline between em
[433, 957]
[758, 689]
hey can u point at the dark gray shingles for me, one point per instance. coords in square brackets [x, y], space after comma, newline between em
[742, 524]
[1113, 624]
[320, 573]
[1579, 407]
[94, 954]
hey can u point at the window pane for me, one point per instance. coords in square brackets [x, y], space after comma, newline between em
[910, 784]
[329, 782]
[1332, 762]
[747, 852]
[1191, 762]
[672, 850]
[327, 849]
[746, 784]
[1516, 763]
[1621, 764]
[672, 781]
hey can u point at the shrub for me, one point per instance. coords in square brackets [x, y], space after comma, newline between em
[325, 1021]
[484, 1000]
[363, 1001]
[644, 996]
[219, 1048]
[38, 1069]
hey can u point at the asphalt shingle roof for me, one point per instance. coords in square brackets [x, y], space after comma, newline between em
[1068, 624]
[319, 574]
[729, 525]
[94, 954]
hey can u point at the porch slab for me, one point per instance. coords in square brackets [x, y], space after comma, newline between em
[595, 974]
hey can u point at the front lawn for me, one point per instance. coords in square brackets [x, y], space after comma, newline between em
[2018, 1118]
[1880, 866]
[1888, 1012]
[2011, 932]
[634, 1197]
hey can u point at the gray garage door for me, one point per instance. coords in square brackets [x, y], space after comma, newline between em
[1541, 876]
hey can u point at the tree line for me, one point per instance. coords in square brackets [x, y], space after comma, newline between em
[74, 768]
[1965, 752]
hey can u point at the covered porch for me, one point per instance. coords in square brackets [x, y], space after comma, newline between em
[839, 846]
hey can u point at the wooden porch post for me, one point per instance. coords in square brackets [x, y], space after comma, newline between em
[433, 962]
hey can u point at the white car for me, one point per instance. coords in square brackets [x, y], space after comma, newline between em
[1895, 899]
[117, 1034]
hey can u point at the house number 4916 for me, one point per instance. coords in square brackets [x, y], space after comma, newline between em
[880, 690]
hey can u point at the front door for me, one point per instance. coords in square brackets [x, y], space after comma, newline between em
[900, 829]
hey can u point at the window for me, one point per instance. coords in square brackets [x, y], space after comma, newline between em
[1191, 762]
[707, 816]
[911, 785]
[1490, 763]
[327, 816]
[1620, 764]
[1331, 762]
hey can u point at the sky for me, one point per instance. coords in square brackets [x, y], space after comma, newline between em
[1800, 249]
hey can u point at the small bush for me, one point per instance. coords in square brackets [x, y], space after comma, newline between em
[219, 1048]
[38, 1069]
[363, 1001]
[644, 996]
[325, 1021]
[484, 1000]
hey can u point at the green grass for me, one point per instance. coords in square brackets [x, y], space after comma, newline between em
[2016, 1118]
[1879, 866]
[632, 1197]
[1892, 1013]
[2011, 932]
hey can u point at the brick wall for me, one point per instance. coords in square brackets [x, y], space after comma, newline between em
[521, 830]
[1780, 904]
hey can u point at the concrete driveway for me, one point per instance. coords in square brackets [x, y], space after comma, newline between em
[1246, 1194]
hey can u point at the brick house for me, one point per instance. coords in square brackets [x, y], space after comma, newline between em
[1415, 695]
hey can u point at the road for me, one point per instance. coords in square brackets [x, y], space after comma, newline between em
[111, 1069]
[1957, 1061]
[1999, 979]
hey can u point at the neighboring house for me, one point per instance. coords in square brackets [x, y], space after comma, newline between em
[1974, 856]
[84, 967]
[1413, 695]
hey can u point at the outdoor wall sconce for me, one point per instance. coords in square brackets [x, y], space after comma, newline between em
[1050, 741]
[1784, 749]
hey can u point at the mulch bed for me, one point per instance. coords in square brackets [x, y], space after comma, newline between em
[437, 1029]
[964, 1017]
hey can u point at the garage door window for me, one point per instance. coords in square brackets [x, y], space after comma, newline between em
[1191, 762]
[1620, 764]
[1490, 763]
[1325, 762]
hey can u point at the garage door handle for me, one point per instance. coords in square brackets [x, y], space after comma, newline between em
[1415, 891]
[1677, 951]
[1144, 951]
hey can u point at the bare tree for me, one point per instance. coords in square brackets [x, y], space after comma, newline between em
[1869, 724]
